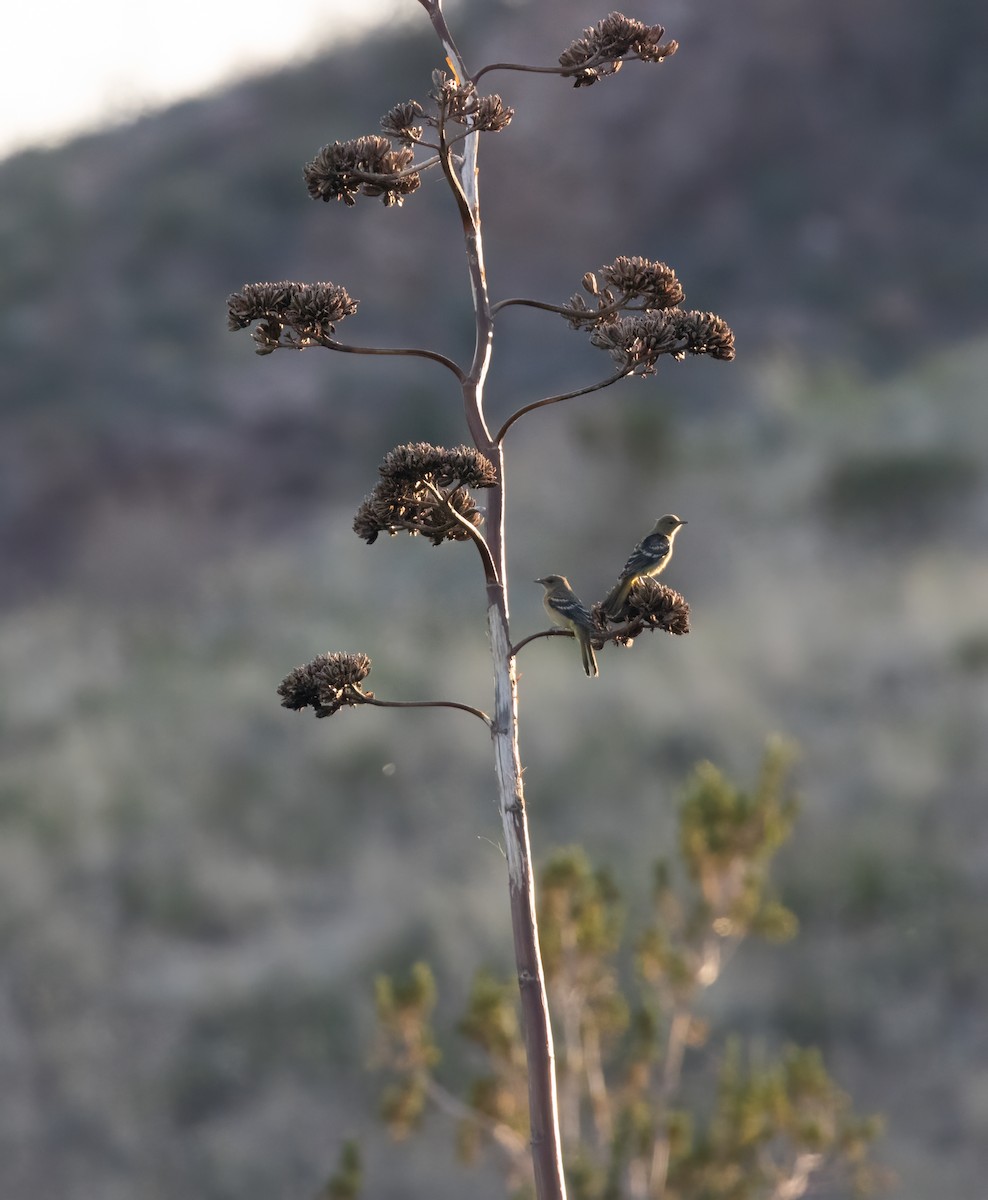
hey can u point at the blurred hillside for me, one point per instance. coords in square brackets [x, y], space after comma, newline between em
[196, 887]
[819, 167]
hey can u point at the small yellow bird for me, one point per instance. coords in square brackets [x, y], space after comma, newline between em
[564, 607]
[648, 559]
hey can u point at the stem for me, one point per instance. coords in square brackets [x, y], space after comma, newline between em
[543, 1105]
[541, 634]
[594, 387]
[516, 67]
[599, 638]
[543, 1100]
[622, 304]
[598, 60]
[411, 351]
[490, 569]
[428, 704]
[562, 309]
[415, 169]
[547, 1159]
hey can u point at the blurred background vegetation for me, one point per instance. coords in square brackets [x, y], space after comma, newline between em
[198, 888]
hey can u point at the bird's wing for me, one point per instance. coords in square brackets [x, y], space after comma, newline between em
[648, 553]
[571, 609]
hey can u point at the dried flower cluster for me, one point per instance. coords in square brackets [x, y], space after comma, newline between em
[405, 122]
[637, 342]
[630, 284]
[459, 102]
[327, 684]
[417, 461]
[650, 606]
[366, 166]
[423, 490]
[600, 50]
[374, 166]
[293, 315]
[637, 317]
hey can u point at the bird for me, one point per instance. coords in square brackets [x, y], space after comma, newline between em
[564, 608]
[648, 559]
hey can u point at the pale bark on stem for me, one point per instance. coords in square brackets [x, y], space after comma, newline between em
[543, 1101]
[542, 1098]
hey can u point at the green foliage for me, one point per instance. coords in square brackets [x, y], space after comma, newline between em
[403, 1106]
[580, 908]
[773, 1126]
[621, 1043]
[720, 823]
[346, 1182]
[727, 838]
[491, 1019]
[405, 1045]
[404, 1008]
[496, 1101]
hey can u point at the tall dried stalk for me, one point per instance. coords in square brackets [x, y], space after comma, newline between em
[635, 316]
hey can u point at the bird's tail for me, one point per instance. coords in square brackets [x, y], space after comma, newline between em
[616, 599]
[587, 653]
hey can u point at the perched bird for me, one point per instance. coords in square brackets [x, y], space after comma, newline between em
[564, 607]
[648, 559]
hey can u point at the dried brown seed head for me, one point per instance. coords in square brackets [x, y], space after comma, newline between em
[368, 166]
[420, 461]
[402, 122]
[602, 48]
[327, 684]
[289, 314]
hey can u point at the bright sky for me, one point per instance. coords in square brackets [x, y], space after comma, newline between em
[68, 67]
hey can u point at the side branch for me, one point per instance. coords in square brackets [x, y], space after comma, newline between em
[478, 539]
[409, 351]
[652, 606]
[381, 180]
[332, 682]
[545, 633]
[601, 51]
[429, 704]
[594, 387]
[519, 67]
[567, 310]
[603, 60]
[562, 309]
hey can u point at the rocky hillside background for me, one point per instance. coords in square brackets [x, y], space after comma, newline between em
[197, 888]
